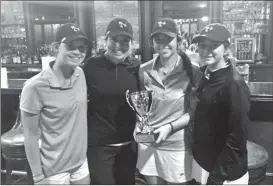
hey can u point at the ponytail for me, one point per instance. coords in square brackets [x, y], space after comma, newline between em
[195, 76]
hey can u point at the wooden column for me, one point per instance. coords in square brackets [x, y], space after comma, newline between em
[145, 27]
[269, 36]
[85, 18]
[158, 9]
[215, 11]
[29, 27]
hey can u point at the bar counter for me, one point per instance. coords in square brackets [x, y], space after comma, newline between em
[258, 92]
[261, 98]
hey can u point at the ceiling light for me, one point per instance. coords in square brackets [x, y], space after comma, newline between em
[205, 18]
[202, 5]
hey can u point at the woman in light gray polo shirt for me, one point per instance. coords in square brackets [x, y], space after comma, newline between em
[172, 79]
[54, 109]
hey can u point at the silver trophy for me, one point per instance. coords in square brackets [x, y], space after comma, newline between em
[141, 102]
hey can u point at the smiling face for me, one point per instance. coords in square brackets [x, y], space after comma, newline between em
[118, 47]
[165, 45]
[212, 53]
[72, 54]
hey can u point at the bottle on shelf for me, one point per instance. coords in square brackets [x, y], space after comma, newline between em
[19, 57]
[24, 55]
[36, 57]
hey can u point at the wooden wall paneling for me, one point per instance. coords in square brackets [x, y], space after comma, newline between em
[29, 27]
[269, 39]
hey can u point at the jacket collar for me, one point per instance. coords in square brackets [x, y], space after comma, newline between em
[128, 61]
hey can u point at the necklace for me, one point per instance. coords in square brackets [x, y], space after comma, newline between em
[168, 71]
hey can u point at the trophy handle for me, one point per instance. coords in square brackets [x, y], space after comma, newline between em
[150, 92]
[128, 99]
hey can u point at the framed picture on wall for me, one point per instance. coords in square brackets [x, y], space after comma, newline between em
[245, 49]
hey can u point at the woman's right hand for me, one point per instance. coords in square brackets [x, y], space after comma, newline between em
[137, 130]
[42, 182]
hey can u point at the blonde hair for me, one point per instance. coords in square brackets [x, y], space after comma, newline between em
[54, 48]
[228, 54]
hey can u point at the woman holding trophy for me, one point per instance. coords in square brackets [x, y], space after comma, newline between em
[172, 80]
[111, 121]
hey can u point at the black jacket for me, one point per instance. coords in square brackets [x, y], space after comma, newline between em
[110, 118]
[220, 125]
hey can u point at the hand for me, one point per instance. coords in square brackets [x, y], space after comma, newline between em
[137, 130]
[42, 182]
[214, 179]
[163, 131]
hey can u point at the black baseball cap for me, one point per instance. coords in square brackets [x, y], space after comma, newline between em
[215, 32]
[69, 32]
[119, 26]
[166, 26]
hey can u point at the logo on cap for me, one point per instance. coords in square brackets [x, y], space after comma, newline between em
[75, 28]
[208, 28]
[160, 23]
[121, 24]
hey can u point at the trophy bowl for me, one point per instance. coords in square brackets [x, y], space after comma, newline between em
[141, 102]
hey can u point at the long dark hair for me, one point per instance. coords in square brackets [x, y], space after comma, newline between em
[187, 65]
[195, 76]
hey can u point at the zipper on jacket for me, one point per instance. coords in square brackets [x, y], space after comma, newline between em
[116, 72]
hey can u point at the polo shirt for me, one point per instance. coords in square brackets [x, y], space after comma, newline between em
[167, 98]
[62, 114]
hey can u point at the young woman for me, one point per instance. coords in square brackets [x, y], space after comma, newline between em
[172, 79]
[221, 117]
[54, 109]
[111, 121]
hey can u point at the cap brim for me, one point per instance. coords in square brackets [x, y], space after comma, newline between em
[197, 38]
[114, 34]
[171, 34]
[72, 38]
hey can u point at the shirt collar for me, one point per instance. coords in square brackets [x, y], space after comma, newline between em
[177, 68]
[54, 81]
[208, 73]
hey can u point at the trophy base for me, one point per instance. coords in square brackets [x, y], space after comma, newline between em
[145, 138]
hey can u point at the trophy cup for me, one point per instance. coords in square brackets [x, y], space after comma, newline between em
[141, 102]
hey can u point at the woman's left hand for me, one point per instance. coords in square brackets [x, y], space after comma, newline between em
[163, 132]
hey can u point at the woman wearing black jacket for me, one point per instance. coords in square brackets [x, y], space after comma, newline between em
[221, 117]
[111, 121]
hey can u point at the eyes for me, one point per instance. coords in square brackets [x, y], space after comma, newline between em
[81, 48]
[120, 39]
[162, 38]
[210, 46]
